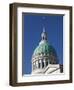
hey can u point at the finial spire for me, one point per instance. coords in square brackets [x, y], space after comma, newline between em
[43, 29]
[44, 34]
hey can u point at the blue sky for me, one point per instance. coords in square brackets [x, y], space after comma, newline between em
[32, 28]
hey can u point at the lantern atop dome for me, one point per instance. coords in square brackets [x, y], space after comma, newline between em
[44, 34]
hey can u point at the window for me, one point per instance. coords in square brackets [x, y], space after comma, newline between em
[42, 64]
[39, 65]
[46, 63]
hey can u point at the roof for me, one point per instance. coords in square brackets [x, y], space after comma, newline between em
[44, 48]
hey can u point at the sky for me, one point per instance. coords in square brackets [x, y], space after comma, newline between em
[32, 28]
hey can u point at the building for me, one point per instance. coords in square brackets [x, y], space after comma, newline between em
[44, 58]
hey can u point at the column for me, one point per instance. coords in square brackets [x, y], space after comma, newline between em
[44, 62]
[40, 61]
[36, 64]
[33, 65]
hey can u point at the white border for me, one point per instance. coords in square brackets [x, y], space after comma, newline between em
[66, 36]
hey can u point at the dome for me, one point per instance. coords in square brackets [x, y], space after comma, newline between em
[43, 55]
[44, 48]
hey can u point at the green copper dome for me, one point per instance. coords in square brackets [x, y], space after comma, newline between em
[44, 48]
